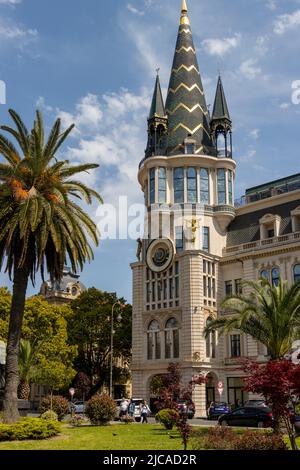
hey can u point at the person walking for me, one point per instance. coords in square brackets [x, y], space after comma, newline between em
[145, 411]
[124, 407]
[131, 408]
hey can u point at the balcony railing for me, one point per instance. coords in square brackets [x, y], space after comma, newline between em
[258, 245]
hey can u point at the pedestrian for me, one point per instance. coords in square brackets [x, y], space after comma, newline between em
[131, 408]
[123, 407]
[145, 411]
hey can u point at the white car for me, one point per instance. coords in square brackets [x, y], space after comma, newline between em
[137, 413]
[77, 407]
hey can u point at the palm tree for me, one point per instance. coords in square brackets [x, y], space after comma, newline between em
[40, 224]
[270, 314]
[27, 357]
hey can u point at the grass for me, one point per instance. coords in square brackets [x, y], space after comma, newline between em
[113, 437]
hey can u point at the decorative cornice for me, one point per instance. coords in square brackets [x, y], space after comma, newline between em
[263, 254]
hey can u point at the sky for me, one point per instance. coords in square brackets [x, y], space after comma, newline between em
[93, 62]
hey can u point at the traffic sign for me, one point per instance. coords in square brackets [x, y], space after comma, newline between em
[220, 387]
[72, 391]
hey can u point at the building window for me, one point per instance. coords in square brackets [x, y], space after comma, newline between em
[297, 273]
[271, 233]
[211, 342]
[152, 186]
[264, 275]
[238, 287]
[204, 186]
[209, 283]
[179, 239]
[205, 236]
[230, 188]
[172, 339]
[192, 185]
[275, 277]
[190, 149]
[162, 186]
[235, 345]
[228, 288]
[221, 187]
[154, 350]
[178, 185]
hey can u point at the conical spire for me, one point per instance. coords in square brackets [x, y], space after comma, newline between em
[157, 105]
[186, 106]
[220, 106]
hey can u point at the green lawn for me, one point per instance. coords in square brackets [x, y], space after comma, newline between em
[114, 437]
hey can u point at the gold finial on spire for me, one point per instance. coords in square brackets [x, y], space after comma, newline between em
[184, 20]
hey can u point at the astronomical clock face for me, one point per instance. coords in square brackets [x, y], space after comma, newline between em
[160, 255]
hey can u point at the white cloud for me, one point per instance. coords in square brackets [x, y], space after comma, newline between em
[254, 134]
[284, 105]
[11, 31]
[134, 10]
[271, 5]
[287, 22]
[10, 2]
[261, 45]
[249, 69]
[219, 47]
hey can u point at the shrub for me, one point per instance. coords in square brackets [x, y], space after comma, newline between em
[167, 418]
[216, 438]
[49, 416]
[59, 406]
[29, 428]
[253, 440]
[77, 421]
[127, 419]
[101, 409]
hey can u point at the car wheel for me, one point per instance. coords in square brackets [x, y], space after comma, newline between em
[224, 423]
[260, 424]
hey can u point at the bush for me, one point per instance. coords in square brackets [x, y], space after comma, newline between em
[223, 438]
[50, 416]
[253, 440]
[59, 405]
[101, 409]
[127, 419]
[29, 428]
[77, 421]
[168, 418]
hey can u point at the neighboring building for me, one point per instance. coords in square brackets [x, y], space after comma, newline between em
[61, 292]
[202, 246]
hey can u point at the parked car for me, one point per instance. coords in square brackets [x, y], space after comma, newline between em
[256, 403]
[77, 407]
[217, 409]
[186, 406]
[250, 416]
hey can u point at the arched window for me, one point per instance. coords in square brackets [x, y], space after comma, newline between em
[230, 188]
[275, 277]
[178, 185]
[192, 185]
[172, 339]
[152, 186]
[204, 186]
[162, 186]
[221, 187]
[211, 341]
[264, 275]
[153, 341]
[297, 273]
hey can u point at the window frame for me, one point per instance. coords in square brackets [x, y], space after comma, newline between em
[221, 187]
[176, 181]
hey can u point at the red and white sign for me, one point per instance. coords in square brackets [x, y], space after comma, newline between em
[72, 391]
[220, 387]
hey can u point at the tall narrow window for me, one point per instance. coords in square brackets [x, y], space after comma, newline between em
[230, 188]
[178, 185]
[152, 186]
[153, 340]
[228, 288]
[210, 341]
[205, 239]
[235, 345]
[204, 186]
[297, 273]
[275, 277]
[238, 287]
[179, 239]
[192, 185]
[221, 187]
[172, 339]
[264, 275]
[162, 186]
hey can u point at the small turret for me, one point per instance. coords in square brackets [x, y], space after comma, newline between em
[157, 123]
[221, 124]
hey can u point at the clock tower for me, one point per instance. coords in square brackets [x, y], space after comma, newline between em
[188, 182]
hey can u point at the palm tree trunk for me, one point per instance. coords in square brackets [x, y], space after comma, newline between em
[11, 413]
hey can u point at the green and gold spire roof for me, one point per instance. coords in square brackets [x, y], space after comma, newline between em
[186, 106]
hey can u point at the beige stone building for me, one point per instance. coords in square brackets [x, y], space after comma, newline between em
[199, 245]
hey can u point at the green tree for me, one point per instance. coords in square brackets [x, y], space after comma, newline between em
[40, 224]
[54, 374]
[5, 305]
[89, 328]
[270, 314]
[27, 363]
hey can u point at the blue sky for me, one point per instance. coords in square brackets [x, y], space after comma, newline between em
[94, 61]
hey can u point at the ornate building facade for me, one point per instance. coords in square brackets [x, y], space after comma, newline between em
[198, 245]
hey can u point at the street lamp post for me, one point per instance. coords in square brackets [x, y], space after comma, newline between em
[112, 332]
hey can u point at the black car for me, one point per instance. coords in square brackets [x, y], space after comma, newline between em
[248, 416]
